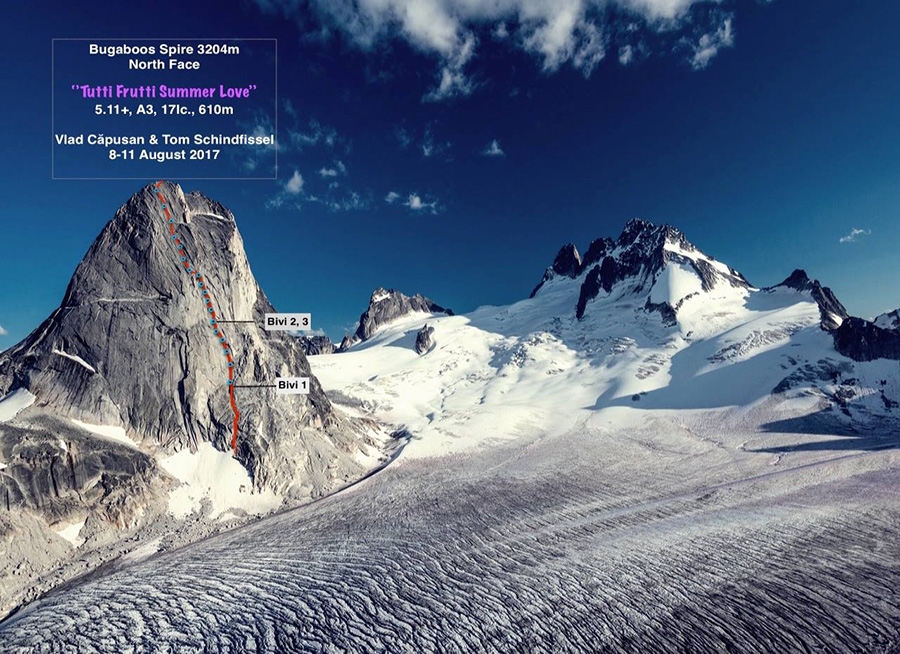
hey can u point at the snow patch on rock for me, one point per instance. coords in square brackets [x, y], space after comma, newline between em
[71, 534]
[77, 359]
[108, 431]
[212, 475]
[12, 403]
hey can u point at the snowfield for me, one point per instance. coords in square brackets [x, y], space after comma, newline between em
[727, 483]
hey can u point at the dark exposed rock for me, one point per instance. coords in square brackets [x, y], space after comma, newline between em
[599, 277]
[831, 311]
[567, 263]
[862, 340]
[590, 288]
[386, 306]
[598, 249]
[424, 339]
[608, 274]
[667, 311]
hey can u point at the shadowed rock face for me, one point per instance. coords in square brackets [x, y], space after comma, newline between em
[131, 345]
[862, 340]
[831, 310]
[424, 340]
[385, 306]
[566, 264]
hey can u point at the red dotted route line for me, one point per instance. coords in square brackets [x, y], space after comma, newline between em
[200, 282]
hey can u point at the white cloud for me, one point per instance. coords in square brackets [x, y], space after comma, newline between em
[416, 203]
[338, 169]
[392, 197]
[708, 45]
[854, 235]
[493, 149]
[3, 332]
[626, 55]
[294, 185]
[558, 32]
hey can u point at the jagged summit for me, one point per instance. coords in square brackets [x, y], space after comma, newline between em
[636, 263]
[386, 306]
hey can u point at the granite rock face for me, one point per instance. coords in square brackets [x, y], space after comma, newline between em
[129, 371]
[386, 306]
[132, 345]
[424, 339]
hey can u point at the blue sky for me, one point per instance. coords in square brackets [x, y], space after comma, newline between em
[450, 149]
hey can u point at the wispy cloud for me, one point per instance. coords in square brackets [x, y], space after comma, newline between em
[352, 201]
[391, 197]
[314, 134]
[854, 235]
[493, 149]
[577, 33]
[403, 137]
[431, 146]
[3, 332]
[709, 44]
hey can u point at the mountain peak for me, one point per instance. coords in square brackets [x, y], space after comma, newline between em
[634, 263]
[567, 261]
[797, 280]
[832, 312]
[386, 306]
[136, 344]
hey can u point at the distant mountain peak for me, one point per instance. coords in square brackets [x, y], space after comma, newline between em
[831, 310]
[386, 306]
[633, 264]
